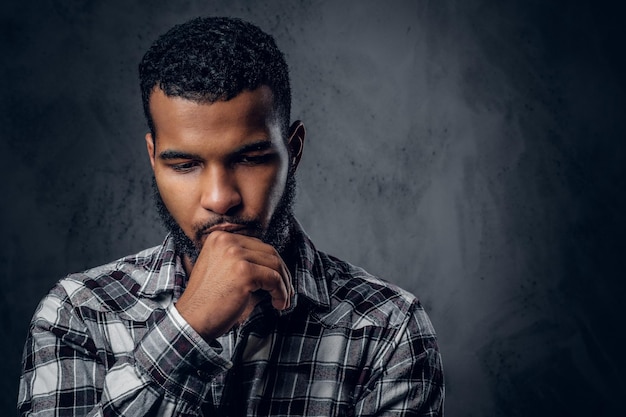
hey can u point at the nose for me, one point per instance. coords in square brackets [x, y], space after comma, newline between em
[220, 193]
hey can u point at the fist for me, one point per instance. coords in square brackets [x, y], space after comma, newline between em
[223, 285]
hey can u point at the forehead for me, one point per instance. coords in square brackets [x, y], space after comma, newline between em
[250, 114]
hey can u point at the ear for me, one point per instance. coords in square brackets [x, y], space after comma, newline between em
[151, 148]
[296, 143]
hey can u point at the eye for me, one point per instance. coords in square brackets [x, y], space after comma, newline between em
[184, 166]
[255, 159]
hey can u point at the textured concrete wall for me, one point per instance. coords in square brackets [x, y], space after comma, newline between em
[471, 151]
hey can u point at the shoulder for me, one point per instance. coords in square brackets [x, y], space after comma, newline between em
[359, 299]
[114, 286]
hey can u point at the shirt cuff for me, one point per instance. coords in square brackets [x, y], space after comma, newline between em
[177, 358]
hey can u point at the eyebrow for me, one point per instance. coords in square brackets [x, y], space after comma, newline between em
[258, 146]
[172, 154]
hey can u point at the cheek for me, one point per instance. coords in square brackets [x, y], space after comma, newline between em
[178, 198]
[266, 191]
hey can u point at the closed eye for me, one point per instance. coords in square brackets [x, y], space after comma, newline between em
[255, 159]
[184, 166]
[178, 161]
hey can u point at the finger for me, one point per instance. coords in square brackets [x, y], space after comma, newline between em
[219, 238]
[265, 255]
[272, 281]
[274, 262]
[288, 283]
[256, 252]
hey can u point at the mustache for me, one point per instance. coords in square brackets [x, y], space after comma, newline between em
[250, 224]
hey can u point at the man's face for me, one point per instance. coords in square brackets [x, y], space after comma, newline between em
[222, 166]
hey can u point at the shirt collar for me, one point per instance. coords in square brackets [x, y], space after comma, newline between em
[164, 271]
[311, 278]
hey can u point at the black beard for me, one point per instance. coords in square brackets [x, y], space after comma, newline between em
[276, 234]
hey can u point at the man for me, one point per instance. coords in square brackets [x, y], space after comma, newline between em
[236, 313]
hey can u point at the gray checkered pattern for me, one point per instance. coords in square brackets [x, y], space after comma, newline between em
[109, 342]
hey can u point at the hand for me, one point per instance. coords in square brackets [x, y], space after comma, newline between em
[221, 289]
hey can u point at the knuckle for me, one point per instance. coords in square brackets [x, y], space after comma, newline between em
[234, 251]
[219, 237]
[242, 268]
[276, 261]
[276, 277]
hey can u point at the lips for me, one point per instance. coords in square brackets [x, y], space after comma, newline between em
[226, 227]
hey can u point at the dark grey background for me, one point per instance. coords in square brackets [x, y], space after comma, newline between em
[471, 151]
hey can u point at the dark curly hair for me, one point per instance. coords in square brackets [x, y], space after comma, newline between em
[215, 58]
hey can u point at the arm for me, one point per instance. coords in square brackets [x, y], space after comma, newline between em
[67, 368]
[87, 363]
[408, 380]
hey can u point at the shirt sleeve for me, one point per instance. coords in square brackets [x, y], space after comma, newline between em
[408, 378]
[67, 370]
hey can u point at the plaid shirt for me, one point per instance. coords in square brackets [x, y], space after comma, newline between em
[109, 342]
